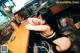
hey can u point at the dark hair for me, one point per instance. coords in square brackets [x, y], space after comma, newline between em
[51, 20]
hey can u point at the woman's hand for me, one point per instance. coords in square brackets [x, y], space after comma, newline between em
[43, 29]
[36, 21]
[62, 43]
[36, 24]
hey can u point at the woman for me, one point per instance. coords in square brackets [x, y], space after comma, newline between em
[47, 27]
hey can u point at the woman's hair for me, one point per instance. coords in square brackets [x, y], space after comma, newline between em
[51, 20]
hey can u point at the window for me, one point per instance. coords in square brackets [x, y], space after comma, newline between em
[3, 20]
[19, 4]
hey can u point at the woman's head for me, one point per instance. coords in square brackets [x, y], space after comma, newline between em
[49, 19]
[7, 9]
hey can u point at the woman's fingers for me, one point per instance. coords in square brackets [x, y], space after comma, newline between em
[30, 21]
[36, 21]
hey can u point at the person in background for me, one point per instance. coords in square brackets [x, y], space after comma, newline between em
[49, 32]
[8, 11]
[69, 30]
[13, 21]
[19, 18]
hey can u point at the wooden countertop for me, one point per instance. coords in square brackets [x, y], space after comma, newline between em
[18, 43]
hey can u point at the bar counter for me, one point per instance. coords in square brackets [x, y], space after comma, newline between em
[18, 43]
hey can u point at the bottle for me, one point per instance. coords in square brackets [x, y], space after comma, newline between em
[35, 48]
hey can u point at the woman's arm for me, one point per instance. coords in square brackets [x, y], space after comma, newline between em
[37, 27]
[62, 43]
